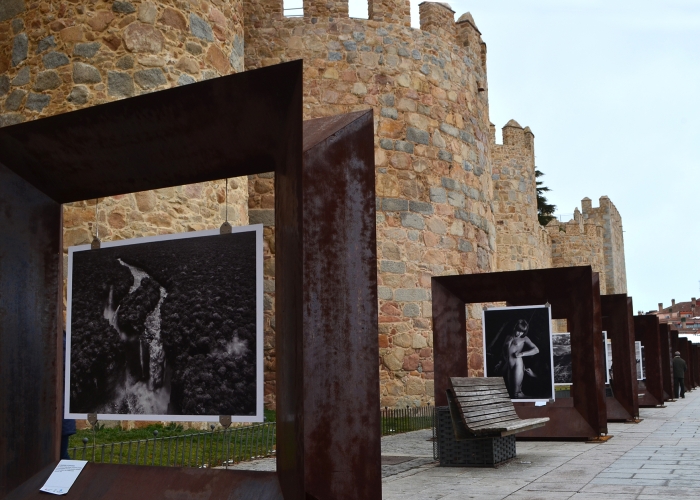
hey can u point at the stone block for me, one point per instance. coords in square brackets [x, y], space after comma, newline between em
[87, 50]
[185, 80]
[55, 60]
[123, 7]
[85, 73]
[45, 44]
[10, 8]
[118, 84]
[47, 80]
[390, 113]
[418, 136]
[20, 48]
[22, 77]
[15, 99]
[37, 102]
[404, 146]
[384, 293]
[394, 204]
[266, 217]
[150, 78]
[445, 155]
[411, 310]
[8, 119]
[438, 195]
[79, 95]
[389, 266]
[143, 38]
[465, 246]
[411, 294]
[412, 220]
[147, 12]
[420, 207]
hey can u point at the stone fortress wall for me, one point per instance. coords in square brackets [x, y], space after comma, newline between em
[449, 199]
[428, 91]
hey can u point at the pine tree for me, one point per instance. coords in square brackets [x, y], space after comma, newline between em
[545, 210]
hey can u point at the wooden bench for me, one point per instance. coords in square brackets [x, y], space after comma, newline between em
[481, 407]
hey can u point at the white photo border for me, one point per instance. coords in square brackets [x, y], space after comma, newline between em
[259, 338]
[551, 349]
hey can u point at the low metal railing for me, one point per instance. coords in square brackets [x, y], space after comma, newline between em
[197, 449]
[398, 420]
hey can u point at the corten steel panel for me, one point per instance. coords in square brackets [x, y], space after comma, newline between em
[666, 357]
[574, 294]
[30, 301]
[162, 141]
[684, 348]
[121, 482]
[617, 321]
[341, 380]
[696, 364]
[225, 127]
[646, 330]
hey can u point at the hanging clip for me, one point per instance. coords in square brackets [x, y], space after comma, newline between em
[225, 421]
[226, 228]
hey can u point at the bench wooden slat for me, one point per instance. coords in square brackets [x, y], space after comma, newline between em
[482, 407]
[469, 381]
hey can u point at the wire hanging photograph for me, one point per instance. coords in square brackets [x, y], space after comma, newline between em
[518, 347]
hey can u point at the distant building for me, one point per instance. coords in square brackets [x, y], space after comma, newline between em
[683, 315]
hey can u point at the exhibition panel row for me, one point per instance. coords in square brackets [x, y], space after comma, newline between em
[604, 368]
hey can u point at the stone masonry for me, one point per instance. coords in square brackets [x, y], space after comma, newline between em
[428, 91]
[449, 199]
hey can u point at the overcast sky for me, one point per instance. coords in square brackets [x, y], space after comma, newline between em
[611, 91]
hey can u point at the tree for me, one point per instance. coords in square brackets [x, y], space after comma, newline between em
[545, 210]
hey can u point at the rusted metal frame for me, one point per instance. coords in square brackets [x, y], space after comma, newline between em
[666, 357]
[266, 135]
[684, 349]
[617, 321]
[646, 330]
[31, 345]
[340, 342]
[574, 294]
[696, 364]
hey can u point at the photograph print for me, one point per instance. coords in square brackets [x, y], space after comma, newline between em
[608, 358]
[518, 347]
[561, 355]
[166, 328]
[638, 359]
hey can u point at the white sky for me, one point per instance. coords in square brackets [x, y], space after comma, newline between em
[610, 90]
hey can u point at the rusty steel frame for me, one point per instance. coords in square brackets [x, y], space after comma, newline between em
[616, 312]
[666, 357]
[684, 349]
[574, 295]
[325, 257]
[696, 363]
[646, 330]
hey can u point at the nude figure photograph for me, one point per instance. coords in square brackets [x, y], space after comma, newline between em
[518, 347]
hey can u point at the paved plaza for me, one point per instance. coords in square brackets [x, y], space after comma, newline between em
[656, 459]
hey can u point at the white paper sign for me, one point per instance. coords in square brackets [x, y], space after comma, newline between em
[63, 476]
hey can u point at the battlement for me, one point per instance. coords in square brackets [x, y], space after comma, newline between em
[604, 205]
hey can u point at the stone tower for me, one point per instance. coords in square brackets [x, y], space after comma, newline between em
[57, 57]
[522, 242]
[428, 90]
[606, 216]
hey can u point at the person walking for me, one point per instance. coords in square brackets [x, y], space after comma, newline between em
[679, 368]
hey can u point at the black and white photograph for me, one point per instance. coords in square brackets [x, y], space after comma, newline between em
[518, 347]
[561, 355]
[608, 357]
[638, 350]
[166, 328]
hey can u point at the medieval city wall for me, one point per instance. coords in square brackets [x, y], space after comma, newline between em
[427, 88]
[522, 242]
[449, 199]
[578, 243]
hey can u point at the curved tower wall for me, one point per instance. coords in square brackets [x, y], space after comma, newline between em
[427, 88]
[57, 57]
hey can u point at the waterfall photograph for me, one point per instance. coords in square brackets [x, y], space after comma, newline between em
[166, 327]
